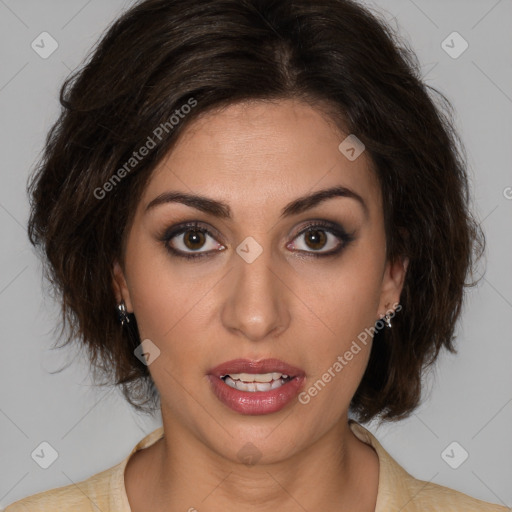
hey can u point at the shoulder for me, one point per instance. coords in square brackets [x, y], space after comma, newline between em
[423, 496]
[92, 494]
[104, 491]
[398, 490]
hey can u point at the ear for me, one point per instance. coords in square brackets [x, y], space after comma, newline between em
[392, 284]
[120, 286]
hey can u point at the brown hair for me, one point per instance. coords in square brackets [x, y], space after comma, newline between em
[163, 54]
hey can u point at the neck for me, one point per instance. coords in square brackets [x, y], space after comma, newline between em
[335, 473]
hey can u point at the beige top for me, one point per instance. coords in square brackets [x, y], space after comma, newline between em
[398, 490]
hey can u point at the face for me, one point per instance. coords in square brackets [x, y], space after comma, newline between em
[270, 281]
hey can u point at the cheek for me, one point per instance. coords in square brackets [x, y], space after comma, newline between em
[345, 295]
[337, 365]
[171, 304]
[154, 291]
[330, 389]
[345, 298]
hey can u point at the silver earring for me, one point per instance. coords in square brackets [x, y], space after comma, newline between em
[387, 320]
[122, 313]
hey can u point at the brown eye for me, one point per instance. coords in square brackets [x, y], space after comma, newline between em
[193, 239]
[315, 239]
[321, 238]
[190, 241]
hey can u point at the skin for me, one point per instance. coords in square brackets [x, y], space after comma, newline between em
[257, 157]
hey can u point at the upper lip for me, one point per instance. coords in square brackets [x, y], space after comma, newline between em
[252, 366]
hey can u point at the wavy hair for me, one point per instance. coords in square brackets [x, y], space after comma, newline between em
[334, 54]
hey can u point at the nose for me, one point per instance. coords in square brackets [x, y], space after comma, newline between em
[256, 300]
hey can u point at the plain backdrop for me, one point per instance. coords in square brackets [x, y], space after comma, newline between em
[468, 398]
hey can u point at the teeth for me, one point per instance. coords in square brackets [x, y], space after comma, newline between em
[257, 377]
[253, 386]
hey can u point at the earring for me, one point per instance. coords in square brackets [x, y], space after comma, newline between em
[128, 320]
[387, 317]
[122, 313]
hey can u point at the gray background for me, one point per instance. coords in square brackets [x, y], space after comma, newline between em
[468, 397]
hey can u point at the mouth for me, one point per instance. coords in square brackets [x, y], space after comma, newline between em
[256, 382]
[256, 387]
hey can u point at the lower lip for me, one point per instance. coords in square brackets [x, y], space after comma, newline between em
[256, 402]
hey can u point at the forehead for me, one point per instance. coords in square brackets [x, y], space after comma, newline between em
[258, 154]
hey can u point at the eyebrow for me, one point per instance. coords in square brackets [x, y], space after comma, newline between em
[222, 210]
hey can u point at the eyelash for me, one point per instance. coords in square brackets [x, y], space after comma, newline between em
[329, 227]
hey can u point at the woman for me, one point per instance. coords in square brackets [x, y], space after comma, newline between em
[258, 222]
